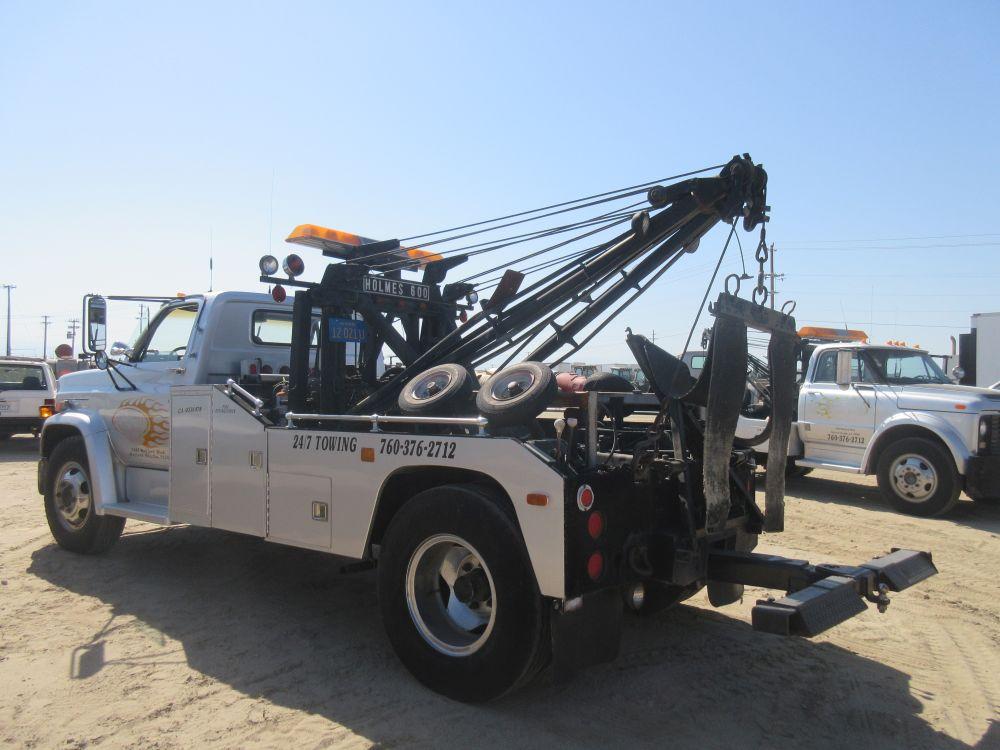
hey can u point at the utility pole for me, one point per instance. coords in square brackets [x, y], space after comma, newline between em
[74, 325]
[8, 287]
[772, 276]
[45, 334]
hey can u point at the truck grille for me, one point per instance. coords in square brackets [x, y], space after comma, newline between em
[992, 435]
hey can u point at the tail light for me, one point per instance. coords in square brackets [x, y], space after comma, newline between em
[595, 524]
[595, 565]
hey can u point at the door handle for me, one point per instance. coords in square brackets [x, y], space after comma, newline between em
[177, 370]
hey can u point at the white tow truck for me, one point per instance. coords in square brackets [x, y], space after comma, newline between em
[892, 412]
[504, 540]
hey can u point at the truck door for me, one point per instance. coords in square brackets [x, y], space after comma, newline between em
[836, 423]
[139, 420]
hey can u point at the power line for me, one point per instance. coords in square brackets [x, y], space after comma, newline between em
[903, 239]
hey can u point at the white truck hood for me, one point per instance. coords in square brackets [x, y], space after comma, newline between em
[946, 397]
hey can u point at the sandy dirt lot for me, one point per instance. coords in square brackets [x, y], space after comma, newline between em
[184, 637]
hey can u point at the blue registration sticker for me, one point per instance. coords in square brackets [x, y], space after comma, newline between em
[347, 329]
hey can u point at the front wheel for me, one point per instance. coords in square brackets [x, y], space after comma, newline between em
[918, 477]
[69, 502]
[457, 595]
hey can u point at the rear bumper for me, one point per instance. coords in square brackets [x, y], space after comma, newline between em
[15, 425]
[982, 476]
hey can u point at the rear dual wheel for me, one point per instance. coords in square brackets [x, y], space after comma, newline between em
[457, 595]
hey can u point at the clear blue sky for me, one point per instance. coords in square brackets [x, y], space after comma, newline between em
[131, 133]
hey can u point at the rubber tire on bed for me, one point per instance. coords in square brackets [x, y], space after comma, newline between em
[523, 407]
[949, 487]
[609, 383]
[456, 394]
[659, 597]
[518, 644]
[98, 533]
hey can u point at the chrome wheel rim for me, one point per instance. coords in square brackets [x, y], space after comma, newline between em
[431, 385]
[913, 477]
[450, 595]
[513, 384]
[72, 496]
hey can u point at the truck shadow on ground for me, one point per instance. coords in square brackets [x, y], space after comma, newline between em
[18, 449]
[977, 515]
[284, 625]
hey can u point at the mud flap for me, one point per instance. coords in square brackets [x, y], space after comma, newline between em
[727, 384]
[781, 357]
[590, 634]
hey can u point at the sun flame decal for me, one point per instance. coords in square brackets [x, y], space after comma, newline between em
[143, 420]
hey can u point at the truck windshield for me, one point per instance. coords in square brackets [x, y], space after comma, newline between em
[905, 368]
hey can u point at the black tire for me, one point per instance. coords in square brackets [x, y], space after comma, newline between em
[792, 471]
[927, 459]
[515, 647]
[95, 534]
[606, 381]
[658, 597]
[609, 383]
[505, 405]
[5, 435]
[440, 390]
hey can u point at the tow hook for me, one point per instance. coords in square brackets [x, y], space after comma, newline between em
[880, 599]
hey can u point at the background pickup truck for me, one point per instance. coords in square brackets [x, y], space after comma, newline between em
[891, 411]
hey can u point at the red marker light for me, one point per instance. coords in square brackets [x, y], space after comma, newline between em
[293, 265]
[584, 497]
[595, 566]
[595, 524]
[278, 293]
[463, 316]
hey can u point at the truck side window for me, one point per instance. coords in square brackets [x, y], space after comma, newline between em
[169, 338]
[826, 368]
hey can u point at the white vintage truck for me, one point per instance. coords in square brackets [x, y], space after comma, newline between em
[504, 541]
[892, 412]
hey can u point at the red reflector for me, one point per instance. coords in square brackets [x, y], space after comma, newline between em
[584, 497]
[595, 566]
[252, 369]
[278, 293]
[595, 524]
[463, 316]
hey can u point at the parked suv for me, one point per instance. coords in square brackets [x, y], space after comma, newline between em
[27, 391]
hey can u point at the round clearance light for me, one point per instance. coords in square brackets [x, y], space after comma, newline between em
[472, 298]
[595, 566]
[268, 265]
[595, 524]
[584, 497]
[293, 265]
[278, 293]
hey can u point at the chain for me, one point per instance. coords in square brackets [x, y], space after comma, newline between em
[761, 255]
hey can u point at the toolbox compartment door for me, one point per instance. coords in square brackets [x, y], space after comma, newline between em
[239, 468]
[299, 508]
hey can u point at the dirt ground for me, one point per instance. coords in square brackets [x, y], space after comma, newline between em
[186, 637]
